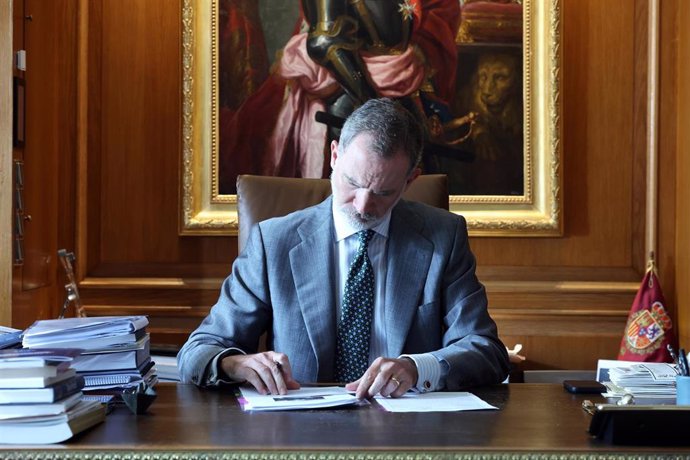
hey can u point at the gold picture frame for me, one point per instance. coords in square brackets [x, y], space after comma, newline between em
[537, 212]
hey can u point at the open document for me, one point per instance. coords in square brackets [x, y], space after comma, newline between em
[304, 398]
[442, 401]
[322, 397]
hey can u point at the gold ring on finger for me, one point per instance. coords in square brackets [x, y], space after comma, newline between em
[397, 382]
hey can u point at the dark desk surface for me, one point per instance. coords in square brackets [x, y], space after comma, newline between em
[534, 421]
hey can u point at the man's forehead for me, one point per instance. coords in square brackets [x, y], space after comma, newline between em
[381, 182]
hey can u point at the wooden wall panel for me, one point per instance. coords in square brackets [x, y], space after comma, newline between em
[139, 146]
[580, 314]
[565, 298]
[667, 144]
[682, 300]
[128, 227]
[596, 142]
[134, 64]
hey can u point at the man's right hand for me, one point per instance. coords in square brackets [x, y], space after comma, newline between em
[269, 372]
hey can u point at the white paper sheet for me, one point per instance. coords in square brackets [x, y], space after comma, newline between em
[444, 401]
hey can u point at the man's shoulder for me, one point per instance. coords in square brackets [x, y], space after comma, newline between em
[431, 213]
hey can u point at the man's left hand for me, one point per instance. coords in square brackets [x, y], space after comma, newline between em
[386, 376]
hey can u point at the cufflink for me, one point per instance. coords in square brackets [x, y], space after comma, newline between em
[424, 387]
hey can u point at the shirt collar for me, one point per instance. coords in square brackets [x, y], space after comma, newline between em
[343, 228]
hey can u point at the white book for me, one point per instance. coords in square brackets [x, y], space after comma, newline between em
[23, 358]
[50, 429]
[8, 411]
[114, 359]
[35, 382]
[48, 394]
[45, 371]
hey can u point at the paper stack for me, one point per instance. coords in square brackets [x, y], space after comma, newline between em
[116, 353]
[644, 380]
[40, 397]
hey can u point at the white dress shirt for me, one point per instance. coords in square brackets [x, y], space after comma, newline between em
[429, 368]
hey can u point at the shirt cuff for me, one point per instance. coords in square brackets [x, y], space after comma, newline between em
[429, 372]
[215, 375]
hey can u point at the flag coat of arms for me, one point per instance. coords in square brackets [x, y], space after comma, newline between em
[649, 328]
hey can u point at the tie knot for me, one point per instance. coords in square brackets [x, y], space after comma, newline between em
[364, 236]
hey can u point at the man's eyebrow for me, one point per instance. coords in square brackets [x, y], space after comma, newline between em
[351, 180]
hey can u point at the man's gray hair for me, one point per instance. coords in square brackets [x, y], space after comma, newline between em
[393, 129]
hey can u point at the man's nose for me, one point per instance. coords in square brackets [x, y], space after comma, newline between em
[364, 202]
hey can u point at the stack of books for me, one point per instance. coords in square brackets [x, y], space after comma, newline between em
[41, 398]
[115, 349]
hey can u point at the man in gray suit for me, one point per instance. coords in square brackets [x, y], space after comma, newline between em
[406, 269]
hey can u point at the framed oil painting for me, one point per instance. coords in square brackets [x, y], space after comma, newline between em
[482, 75]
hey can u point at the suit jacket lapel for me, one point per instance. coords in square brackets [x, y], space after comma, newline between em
[409, 257]
[313, 273]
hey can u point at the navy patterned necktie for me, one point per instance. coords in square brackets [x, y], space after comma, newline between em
[354, 328]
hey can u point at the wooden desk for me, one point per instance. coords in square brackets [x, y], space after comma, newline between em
[539, 421]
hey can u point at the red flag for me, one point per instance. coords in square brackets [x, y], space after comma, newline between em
[649, 329]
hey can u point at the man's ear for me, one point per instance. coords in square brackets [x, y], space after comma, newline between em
[334, 153]
[413, 175]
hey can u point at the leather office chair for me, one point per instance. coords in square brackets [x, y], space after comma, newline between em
[263, 197]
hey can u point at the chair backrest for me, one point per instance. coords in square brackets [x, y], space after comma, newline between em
[263, 197]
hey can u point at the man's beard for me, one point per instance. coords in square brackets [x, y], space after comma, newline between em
[360, 221]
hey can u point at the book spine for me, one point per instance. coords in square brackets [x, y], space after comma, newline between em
[68, 387]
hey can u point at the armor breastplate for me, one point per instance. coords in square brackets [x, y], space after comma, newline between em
[383, 27]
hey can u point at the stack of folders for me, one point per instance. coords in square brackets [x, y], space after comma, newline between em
[643, 380]
[41, 398]
[116, 353]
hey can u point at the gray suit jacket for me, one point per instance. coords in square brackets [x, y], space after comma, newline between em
[284, 284]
